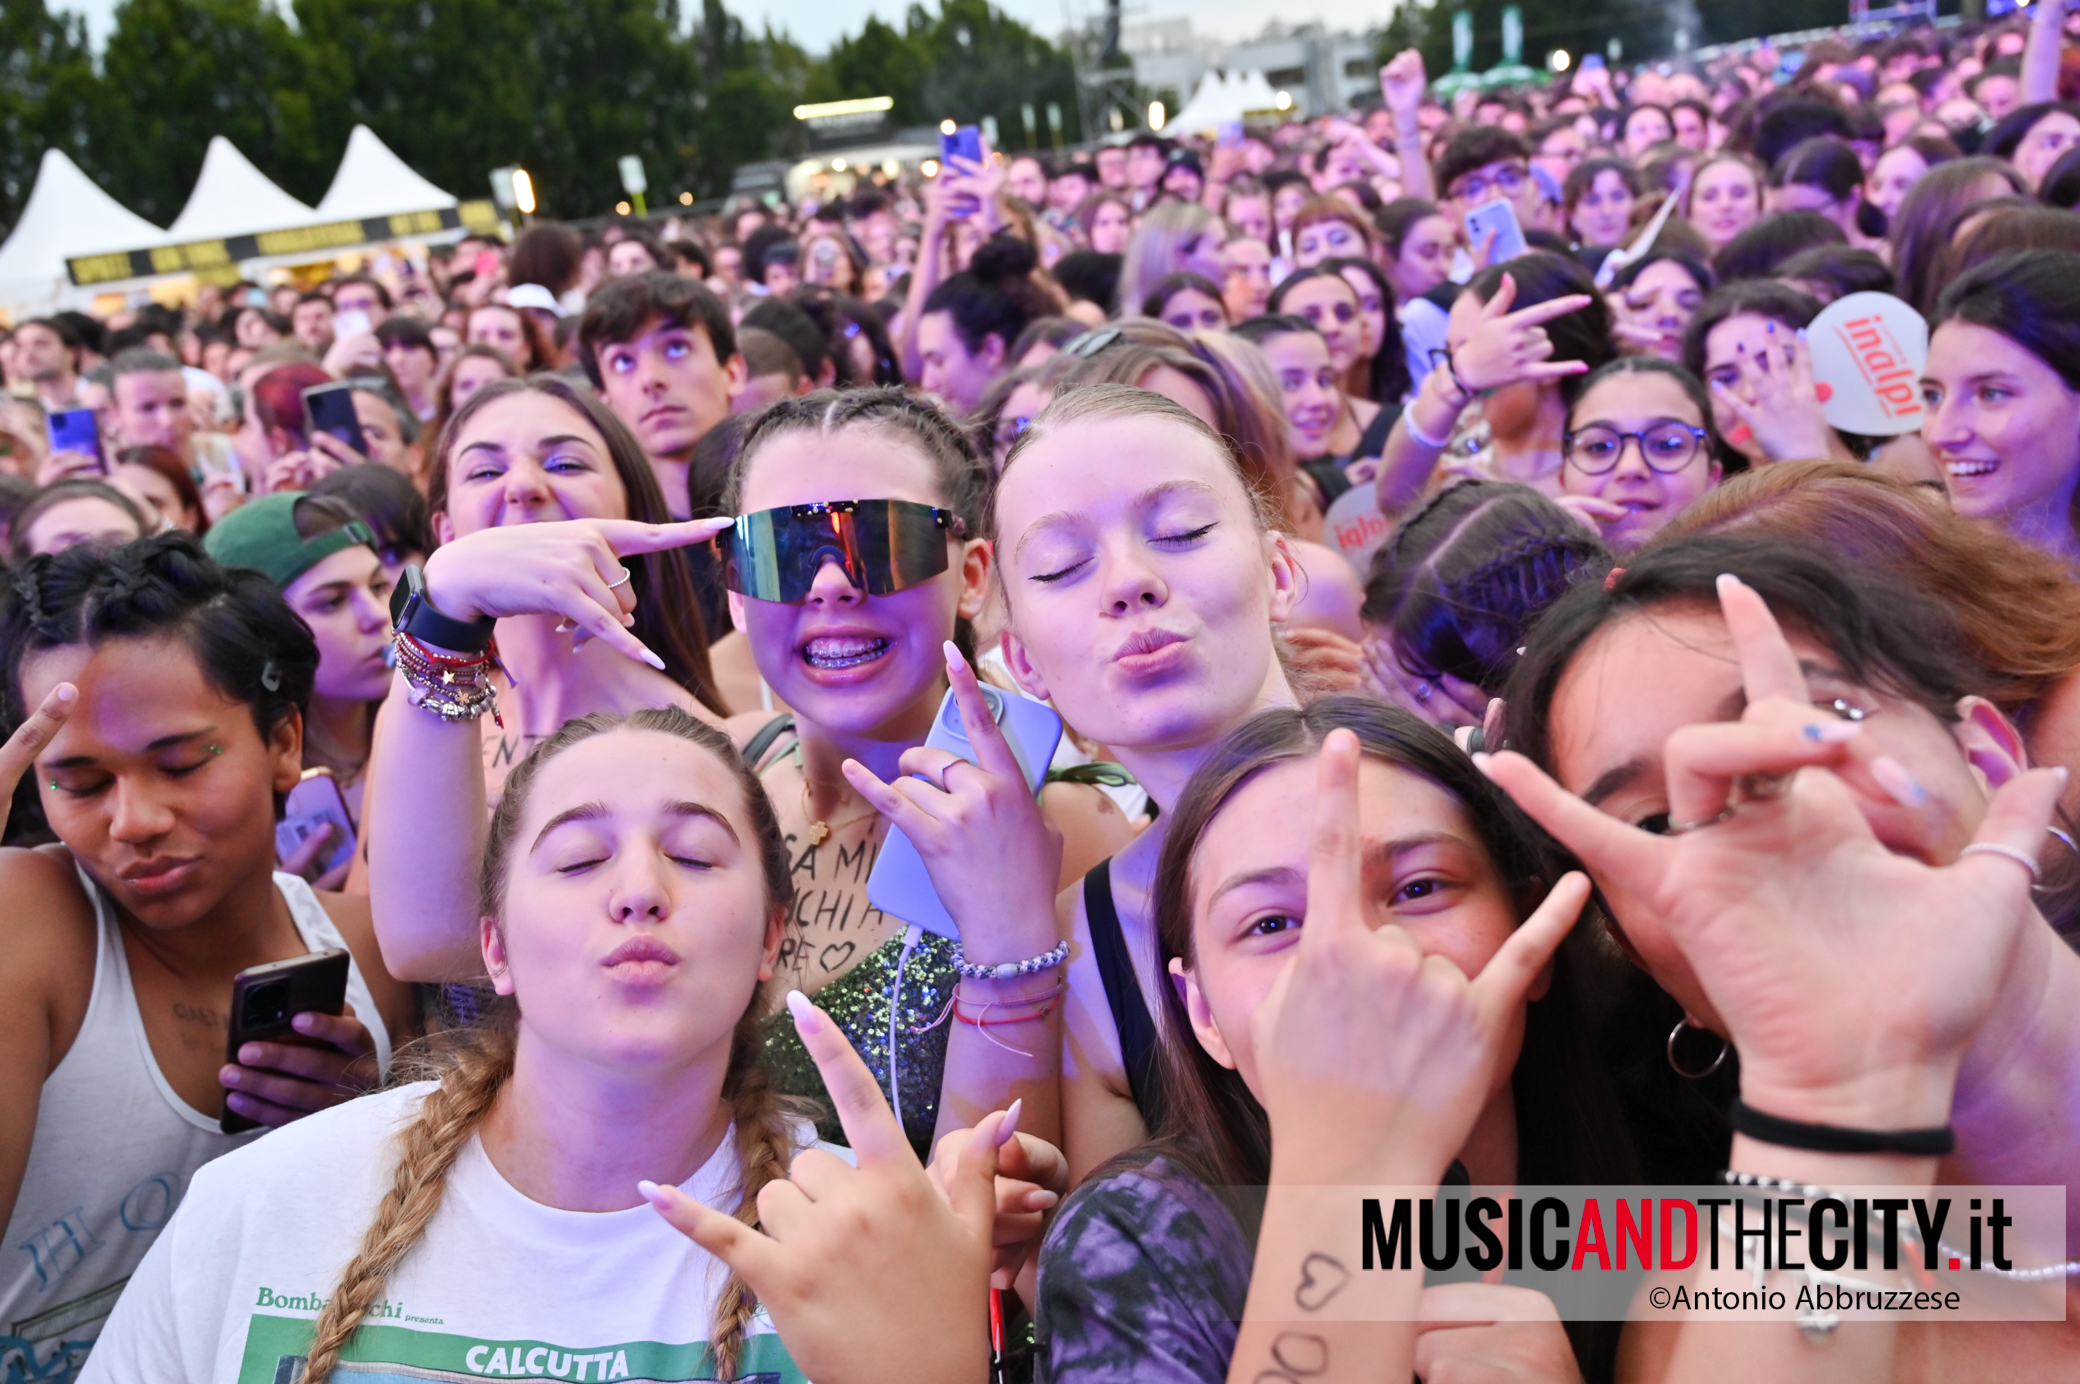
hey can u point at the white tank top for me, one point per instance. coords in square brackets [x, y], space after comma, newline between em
[113, 1151]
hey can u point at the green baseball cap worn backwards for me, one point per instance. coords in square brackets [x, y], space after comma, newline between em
[261, 534]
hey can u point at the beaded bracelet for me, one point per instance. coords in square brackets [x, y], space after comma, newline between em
[1011, 970]
[452, 687]
[1909, 1234]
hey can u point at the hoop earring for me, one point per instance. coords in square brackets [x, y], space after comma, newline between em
[1717, 1062]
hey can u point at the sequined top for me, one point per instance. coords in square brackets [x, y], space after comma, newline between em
[858, 1003]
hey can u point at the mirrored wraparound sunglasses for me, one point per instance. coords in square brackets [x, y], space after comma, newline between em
[882, 546]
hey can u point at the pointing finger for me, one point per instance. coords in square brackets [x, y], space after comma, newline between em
[745, 1250]
[629, 536]
[870, 1127]
[992, 751]
[1550, 309]
[1508, 976]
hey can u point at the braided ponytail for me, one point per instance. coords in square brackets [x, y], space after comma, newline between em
[765, 1125]
[427, 1150]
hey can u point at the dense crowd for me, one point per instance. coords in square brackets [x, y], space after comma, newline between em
[563, 641]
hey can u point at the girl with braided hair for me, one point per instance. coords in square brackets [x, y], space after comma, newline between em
[159, 699]
[1454, 588]
[855, 561]
[633, 896]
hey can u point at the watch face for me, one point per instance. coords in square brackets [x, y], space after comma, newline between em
[408, 588]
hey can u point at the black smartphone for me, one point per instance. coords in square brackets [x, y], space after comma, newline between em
[77, 430]
[265, 998]
[329, 408]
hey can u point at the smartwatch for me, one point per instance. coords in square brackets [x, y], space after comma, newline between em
[412, 612]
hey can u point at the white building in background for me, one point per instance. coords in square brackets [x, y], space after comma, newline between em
[1321, 70]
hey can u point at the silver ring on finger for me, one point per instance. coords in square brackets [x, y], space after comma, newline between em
[947, 773]
[1423, 690]
[1722, 816]
[622, 580]
[2007, 852]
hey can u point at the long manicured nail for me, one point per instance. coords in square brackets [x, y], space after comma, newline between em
[1041, 1199]
[653, 1194]
[1010, 1125]
[650, 657]
[1726, 582]
[1832, 732]
[806, 1019]
[1892, 776]
[1481, 760]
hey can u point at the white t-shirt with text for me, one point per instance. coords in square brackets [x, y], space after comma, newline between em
[500, 1286]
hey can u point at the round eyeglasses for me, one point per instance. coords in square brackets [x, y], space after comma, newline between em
[1666, 447]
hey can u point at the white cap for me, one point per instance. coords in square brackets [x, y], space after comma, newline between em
[531, 296]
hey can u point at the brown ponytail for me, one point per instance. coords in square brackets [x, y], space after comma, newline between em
[475, 1070]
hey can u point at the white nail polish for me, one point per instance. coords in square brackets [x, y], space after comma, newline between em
[651, 658]
[805, 1015]
[1010, 1125]
[650, 1191]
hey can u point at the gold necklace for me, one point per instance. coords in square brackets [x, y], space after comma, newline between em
[819, 831]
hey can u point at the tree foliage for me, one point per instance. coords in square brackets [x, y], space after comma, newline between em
[47, 88]
[459, 87]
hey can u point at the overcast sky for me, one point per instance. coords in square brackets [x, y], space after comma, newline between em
[816, 23]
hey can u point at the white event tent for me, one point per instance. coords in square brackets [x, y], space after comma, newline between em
[66, 215]
[232, 197]
[1223, 99]
[372, 181]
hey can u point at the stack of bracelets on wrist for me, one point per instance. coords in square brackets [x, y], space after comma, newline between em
[1018, 1011]
[454, 687]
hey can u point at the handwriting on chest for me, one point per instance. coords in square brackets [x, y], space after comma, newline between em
[833, 924]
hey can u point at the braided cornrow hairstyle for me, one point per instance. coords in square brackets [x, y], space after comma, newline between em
[961, 475]
[250, 645]
[477, 1066]
[1460, 581]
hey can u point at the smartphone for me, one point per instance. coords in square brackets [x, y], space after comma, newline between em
[1501, 218]
[1593, 62]
[77, 430]
[316, 801]
[352, 322]
[329, 408]
[265, 998]
[899, 885]
[964, 143]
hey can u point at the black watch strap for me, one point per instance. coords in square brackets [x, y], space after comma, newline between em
[412, 612]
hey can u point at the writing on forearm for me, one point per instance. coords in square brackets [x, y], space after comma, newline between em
[1295, 1355]
[1322, 1277]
